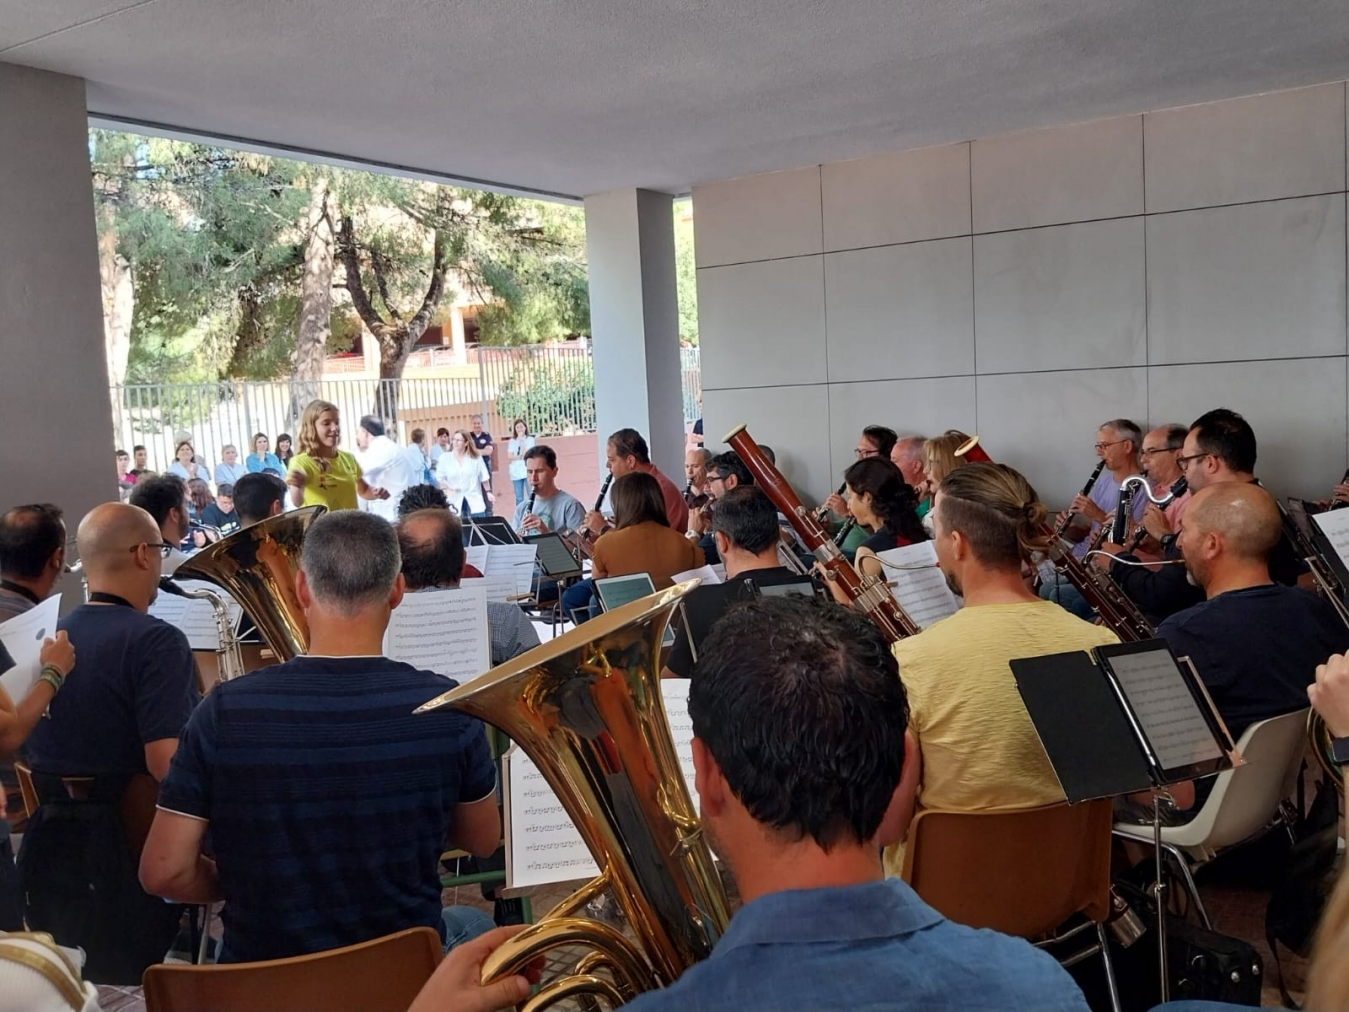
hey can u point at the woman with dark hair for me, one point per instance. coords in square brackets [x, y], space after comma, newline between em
[185, 464]
[283, 448]
[882, 501]
[521, 443]
[199, 498]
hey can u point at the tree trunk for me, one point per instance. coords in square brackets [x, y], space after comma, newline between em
[248, 336]
[395, 345]
[118, 304]
[316, 300]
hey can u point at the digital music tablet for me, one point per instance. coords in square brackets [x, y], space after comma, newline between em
[554, 558]
[1183, 730]
[616, 591]
[798, 586]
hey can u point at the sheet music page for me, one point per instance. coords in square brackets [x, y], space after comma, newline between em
[22, 637]
[196, 619]
[476, 556]
[543, 845]
[919, 587]
[1334, 524]
[516, 561]
[444, 631]
[1171, 718]
[707, 574]
[498, 588]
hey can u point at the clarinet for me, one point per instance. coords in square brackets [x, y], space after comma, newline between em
[1086, 490]
[604, 491]
[529, 506]
[844, 531]
[822, 514]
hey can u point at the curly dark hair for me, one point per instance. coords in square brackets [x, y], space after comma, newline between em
[892, 498]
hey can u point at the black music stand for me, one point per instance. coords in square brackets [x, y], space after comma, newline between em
[1122, 719]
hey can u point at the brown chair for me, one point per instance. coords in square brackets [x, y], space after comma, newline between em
[1024, 872]
[382, 975]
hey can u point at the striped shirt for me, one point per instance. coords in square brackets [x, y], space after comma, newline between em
[329, 803]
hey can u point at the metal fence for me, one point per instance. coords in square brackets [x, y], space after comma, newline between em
[551, 387]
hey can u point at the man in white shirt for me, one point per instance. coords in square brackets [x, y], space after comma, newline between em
[383, 465]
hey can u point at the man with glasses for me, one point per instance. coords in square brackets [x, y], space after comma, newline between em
[115, 721]
[164, 497]
[725, 471]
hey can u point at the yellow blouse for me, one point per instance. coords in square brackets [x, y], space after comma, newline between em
[333, 485]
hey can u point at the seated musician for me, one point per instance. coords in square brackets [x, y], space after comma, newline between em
[1160, 456]
[164, 497]
[875, 441]
[907, 455]
[640, 542]
[1255, 643]
[1219, 448]
[431, 543]
[625, 452]
[725, 471]
[257, 496]
[116, 719]
[939, 460]
[745, 529]
[328, 803]
[882, 502]
[978, 747]
[1117, 444]
[695, 472]
[554, 510]
[802, 774]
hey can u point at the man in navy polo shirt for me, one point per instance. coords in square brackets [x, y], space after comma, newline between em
[328, 802]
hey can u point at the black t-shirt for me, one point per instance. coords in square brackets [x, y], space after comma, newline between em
[885, 539]
[703, 606]
[133, 682]
[218, 518]
[1257, 649]
[483, 440]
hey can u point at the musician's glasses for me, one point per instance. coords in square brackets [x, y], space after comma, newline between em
[1184, 462]
[164, 549]
[1102, 446]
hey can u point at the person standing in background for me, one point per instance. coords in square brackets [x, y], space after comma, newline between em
[521, 443]
[482, 442]
[386, 464]
[464, 476]
[418, 459]
[321, 474]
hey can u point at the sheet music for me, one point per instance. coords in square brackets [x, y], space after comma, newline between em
[707, 574]
[498, 587]
[921, 590]
[444, 631]
[22, 637]
[1171, 719]
[543, 845]
[196, 619]
[476, 556]
[1334, 524]
[513, 560]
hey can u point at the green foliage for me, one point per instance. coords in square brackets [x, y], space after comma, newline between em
[556, 398]
[686, 274]
[533, 278]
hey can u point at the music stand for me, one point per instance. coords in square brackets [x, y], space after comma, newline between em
[1122, 719]
[489, 531]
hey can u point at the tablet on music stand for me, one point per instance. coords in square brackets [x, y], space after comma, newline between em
[556, 562]
[616, 591]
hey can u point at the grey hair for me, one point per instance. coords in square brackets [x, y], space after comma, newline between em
[912, 447]
[350, 560]
[1126, 429]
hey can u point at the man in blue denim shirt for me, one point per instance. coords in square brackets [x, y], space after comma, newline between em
[801, 756]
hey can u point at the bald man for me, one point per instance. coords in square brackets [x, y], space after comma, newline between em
[1255, 643]
[134, 684]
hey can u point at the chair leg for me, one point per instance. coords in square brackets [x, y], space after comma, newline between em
[1109, 967]
[205, 945]
[1179, 858]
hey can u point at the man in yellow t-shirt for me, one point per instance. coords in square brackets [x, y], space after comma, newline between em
[978, 746]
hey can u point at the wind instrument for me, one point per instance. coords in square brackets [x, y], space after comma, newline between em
[869, 595]
[1116, 609]
[1176, 490]
[822, 514]
[586, 708]
[1086, 490]
[529, 506]
[228, 655]
[844, 531]
[257, 565]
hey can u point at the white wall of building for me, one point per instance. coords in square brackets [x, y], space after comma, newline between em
[1030, 286]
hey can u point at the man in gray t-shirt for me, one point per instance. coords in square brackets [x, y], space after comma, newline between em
[554, 510]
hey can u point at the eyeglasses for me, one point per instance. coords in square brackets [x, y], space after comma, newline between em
[860, 453]
[164, 549]
[1162, 449]
[1102, 446]
[1184, 462]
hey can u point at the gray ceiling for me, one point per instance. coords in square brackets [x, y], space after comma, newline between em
[580, 96]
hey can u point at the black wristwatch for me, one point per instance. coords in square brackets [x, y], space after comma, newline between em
[1167, 540]
[1339, 750]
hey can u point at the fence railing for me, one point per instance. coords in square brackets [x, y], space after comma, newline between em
[551, 387]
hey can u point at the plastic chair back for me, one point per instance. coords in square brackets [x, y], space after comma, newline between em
[1244, 799]
[1019, 871]
[382, 975]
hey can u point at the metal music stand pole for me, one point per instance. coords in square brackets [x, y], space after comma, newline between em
[1159, 890]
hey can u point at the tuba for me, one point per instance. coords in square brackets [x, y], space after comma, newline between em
[257, 566]
[1319, 739]
[587, 708]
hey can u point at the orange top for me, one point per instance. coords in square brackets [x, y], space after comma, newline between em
[647, 548]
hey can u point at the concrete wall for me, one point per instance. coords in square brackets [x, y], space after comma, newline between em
[57, 444]
[1031, 286]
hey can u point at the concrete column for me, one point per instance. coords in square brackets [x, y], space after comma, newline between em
[54, 379]
[457, 335]
[634, 321]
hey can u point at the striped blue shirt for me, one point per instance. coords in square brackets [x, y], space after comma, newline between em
[329, 803]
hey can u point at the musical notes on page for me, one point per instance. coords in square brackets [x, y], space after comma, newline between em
[1334, 524]
[497, 587]
[476, 556]
[22, 638]
[444, 631]
[707, 574]
[1170, 717]
[543, 845]
[918, 585]
[193, 617]
[516, 561]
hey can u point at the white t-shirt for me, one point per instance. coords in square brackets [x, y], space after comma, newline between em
[519, 447]
[462, 479]
[385, 465]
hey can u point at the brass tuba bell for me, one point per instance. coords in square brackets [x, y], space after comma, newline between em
[1319, 738]
[587, 709]
[257, 566]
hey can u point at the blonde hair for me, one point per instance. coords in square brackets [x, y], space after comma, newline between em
[996, 510]
[939, 454]
[469, 445]
[1328, 980]
[307, 438]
